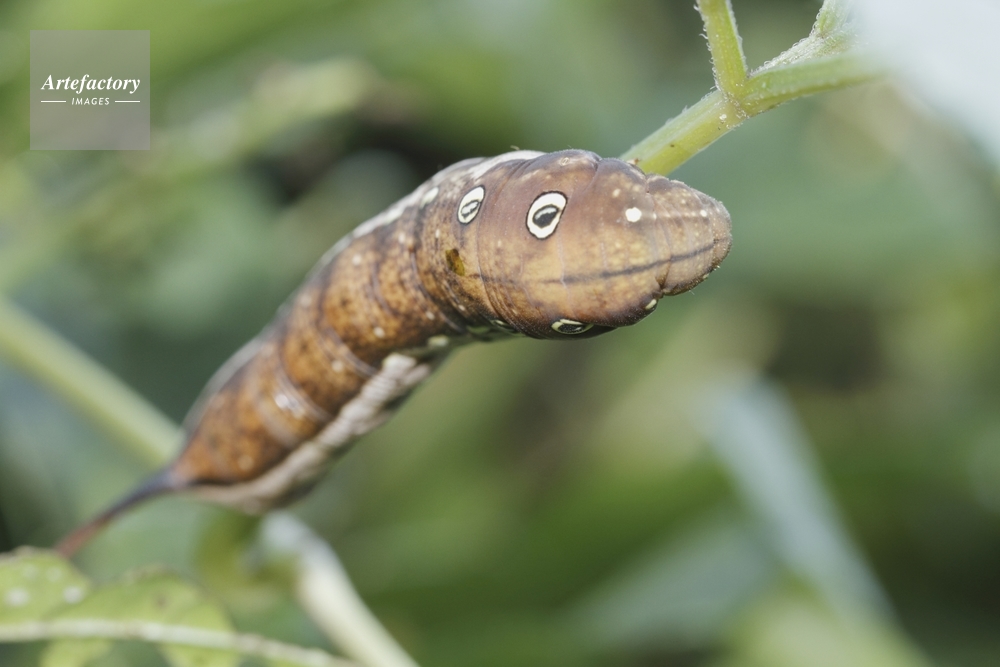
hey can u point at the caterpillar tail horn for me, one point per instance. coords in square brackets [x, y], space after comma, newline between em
[159, 484]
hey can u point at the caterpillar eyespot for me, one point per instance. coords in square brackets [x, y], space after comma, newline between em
[391, 300]
[468, 208]
[570, 327]
[545, 213]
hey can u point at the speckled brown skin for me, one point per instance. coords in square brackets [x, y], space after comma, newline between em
[393, 298]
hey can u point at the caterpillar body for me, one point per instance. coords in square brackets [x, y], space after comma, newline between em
[545, 245]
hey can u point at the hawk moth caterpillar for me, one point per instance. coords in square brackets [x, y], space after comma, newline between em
[546, 245]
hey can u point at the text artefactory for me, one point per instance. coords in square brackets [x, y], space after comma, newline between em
[88, 83]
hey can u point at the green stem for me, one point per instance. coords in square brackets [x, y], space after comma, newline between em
[828, 59]
[724, 42]
[769, 89]
[832, 15]
[322, 587]
[325, 591]
[685, 135]
[40, 353]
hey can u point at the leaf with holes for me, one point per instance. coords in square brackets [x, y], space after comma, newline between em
[42, 596]
[33, 584]
[160, 597]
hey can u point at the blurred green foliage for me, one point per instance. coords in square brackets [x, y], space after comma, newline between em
[603, 502]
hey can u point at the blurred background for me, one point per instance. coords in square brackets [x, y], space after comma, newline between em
[797, 463]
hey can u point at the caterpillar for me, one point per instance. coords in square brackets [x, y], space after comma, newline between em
[562, 245]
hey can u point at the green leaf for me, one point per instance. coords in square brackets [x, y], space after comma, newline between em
[73, 652]
[157, 595]
[42, 596]
[35, 583]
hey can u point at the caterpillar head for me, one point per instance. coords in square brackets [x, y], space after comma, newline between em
[571, 244]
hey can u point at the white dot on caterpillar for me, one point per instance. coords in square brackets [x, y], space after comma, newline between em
[337, 366]
[429, 315]
[356, 260]
[723, 117]
[293, 406]
[616, 192]
[703, 213]
[402, 238]
[499, 244]
[379, 332]
[245, 462]
[633, 214]
[651, 305]
[503, 326]
[438, 341]
[429, 197]
[437, 233]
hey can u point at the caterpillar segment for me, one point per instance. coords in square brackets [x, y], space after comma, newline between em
[561, 245]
